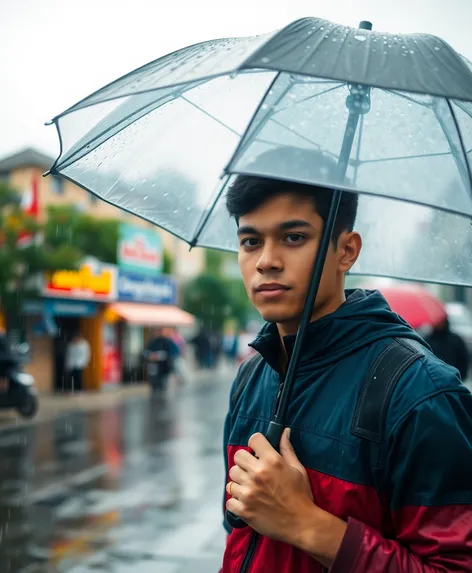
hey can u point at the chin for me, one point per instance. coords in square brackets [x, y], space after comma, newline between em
[278, 315]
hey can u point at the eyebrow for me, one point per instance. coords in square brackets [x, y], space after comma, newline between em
[285, 226]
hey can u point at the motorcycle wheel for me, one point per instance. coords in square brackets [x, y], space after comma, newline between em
[28, 407]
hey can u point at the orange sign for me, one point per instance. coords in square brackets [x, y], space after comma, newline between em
[86, 283]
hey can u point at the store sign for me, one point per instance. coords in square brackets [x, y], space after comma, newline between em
[154, 290]
[90, 282]
[139, 250]
[70, 308]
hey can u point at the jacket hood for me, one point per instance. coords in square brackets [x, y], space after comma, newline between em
[362, 319]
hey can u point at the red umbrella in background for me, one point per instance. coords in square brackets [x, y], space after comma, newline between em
[415, 304]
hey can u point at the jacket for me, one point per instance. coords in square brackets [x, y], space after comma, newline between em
[412, 515]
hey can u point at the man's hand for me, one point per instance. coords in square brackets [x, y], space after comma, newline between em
[272, 493]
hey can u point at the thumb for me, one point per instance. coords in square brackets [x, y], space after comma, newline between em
[286, 450]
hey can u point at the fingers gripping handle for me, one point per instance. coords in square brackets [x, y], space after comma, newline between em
[273, 436]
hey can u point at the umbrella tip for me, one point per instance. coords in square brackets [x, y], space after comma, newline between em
[365, 25]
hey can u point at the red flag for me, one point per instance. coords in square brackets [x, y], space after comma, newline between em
[30, 207]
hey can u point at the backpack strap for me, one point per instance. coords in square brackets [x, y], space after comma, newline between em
[369, 421]
[376, 392]
[245, 371]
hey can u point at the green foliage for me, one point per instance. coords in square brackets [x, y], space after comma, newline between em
[168, 264]
[23, 267]
[215, 298]
[214, 261]
[208, 299]
[93, 237]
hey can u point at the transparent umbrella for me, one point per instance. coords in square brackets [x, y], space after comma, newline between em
[387, 116]
[162, 141]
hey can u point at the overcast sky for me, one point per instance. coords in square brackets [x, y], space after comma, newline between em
[54, 52]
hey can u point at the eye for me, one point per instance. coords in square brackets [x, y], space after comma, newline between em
[249, 242]
[294, 238]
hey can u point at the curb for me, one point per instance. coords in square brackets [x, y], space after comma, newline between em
[52, 406]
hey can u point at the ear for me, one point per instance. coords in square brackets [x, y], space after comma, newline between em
[349, 248]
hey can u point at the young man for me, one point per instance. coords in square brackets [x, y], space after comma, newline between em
[323, 502]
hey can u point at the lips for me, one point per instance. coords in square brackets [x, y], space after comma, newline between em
[268, 287]
[271, 291]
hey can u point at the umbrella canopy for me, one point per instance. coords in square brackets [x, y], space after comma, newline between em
[163, 141]
[416, 305]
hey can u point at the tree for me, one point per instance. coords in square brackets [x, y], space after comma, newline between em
[215, 297]
[207, 298]
[91, 236]
[22, 267]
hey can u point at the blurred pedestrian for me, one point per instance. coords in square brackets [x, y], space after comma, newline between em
[180, 370]
[230, 346]
[449, 347]
[160, 354]
[77, 360]
[202, 348]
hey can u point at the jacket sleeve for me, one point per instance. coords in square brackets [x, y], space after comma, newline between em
[429, 486]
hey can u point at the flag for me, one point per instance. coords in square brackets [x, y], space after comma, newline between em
[30, 206]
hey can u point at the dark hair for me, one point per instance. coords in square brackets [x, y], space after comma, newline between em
[248, 192]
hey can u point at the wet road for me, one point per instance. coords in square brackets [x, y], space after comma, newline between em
[135, 488]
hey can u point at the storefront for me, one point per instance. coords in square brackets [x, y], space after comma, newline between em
[74, 302]
[144, 302]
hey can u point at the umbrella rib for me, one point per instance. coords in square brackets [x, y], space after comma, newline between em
[295, 133]
[209, 210]
[207, 214]
[462, 146]
[244, 140]
[308, 98]
[123, 125]
[455, 151]
[399, 158]
[404, 96]
[463, 106]
[211, 116]
[123, 208]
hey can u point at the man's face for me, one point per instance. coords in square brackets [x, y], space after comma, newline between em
[278, 243]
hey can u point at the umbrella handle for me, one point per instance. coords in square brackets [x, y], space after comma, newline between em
[273, 436]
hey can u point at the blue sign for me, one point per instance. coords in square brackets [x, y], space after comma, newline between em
[69, 307]
[154, 290]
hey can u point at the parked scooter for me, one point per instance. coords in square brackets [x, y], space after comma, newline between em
[17, 388]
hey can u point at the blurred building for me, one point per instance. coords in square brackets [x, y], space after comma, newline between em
[113, 306]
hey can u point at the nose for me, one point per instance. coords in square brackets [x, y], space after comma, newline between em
[270, 259]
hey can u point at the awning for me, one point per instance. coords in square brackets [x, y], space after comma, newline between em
[152, 314]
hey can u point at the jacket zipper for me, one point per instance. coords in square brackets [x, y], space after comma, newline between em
[249, 553]
[255, 536]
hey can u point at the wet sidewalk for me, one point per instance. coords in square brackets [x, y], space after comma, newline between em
[117, 483]
[52, 405]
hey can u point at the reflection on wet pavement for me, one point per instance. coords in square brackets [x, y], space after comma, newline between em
[135, 487]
